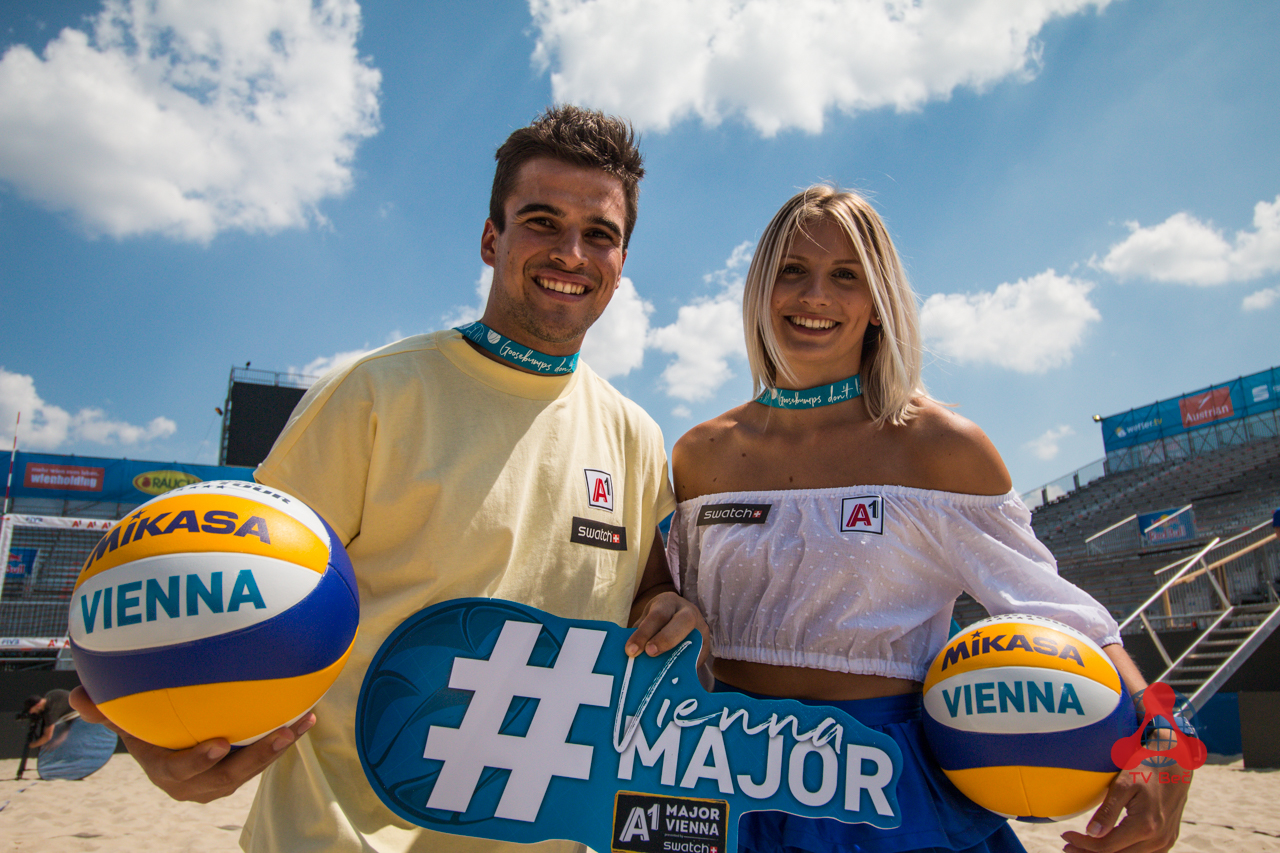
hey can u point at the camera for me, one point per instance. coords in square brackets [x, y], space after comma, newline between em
[35, 724]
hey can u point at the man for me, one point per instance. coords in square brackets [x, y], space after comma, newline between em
[481, 464]
[50, 709]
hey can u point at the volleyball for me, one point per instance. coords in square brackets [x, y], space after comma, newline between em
[219, 609]
[1021, 713]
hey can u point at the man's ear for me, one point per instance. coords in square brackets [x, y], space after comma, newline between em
[488, 241]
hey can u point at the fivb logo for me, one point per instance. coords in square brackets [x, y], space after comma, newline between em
[862, 514]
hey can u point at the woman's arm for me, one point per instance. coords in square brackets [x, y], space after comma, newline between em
[1151, 800]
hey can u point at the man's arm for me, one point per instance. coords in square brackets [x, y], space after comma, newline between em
[47, 730]
[662, 617]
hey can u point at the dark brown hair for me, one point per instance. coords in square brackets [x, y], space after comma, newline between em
[577, 136]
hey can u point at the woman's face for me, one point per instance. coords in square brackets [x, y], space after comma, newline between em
[821, 305]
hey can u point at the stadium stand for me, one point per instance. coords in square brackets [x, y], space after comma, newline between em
[1230, 489]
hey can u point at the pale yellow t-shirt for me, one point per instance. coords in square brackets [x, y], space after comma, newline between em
[449, 476]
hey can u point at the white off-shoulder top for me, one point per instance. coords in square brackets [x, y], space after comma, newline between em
[863, 579]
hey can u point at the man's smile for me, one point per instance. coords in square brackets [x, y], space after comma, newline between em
[560, 286]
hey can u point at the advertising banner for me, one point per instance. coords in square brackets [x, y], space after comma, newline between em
[1167, 526]
[1240, 398]
[127, 481]
[33, 644]
[22, 562]
[491, 719]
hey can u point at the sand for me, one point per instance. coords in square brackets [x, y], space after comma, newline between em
[116, 810]
[1229, 809]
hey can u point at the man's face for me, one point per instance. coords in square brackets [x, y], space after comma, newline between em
[558, 261]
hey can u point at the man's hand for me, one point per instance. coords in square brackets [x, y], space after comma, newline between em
[207, 771]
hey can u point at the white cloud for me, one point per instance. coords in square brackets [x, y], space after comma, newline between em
[461, 315]
[614, 345]
[185, 119]
[1261, 300]
[1030, 326]
[706, 334]
[1046, 446]
[321, 365]
[47, 427]
[782, 63]
[1185, 250]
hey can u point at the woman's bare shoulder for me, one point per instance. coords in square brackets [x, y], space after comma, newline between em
[702, 452]
[954, 454]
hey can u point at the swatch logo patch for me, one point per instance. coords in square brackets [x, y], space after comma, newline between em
[734, 514]
[588, 532]
[863, 514]
[599, 489]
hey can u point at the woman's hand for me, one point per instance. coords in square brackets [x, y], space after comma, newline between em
[1151, 801]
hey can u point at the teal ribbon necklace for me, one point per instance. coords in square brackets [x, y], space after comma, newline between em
[518, 354]
[812, 398]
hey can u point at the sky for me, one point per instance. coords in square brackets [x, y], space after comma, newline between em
[1086, 195]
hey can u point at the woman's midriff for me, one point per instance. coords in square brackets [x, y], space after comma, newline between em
[802, 683]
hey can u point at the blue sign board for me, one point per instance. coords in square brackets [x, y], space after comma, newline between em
[491, 719]
[22, 562]
[1166, 526]
[127, 481]
[1240, 398]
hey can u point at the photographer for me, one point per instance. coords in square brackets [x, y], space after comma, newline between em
[45, 712]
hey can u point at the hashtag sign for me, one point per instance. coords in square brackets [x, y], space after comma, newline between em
[545, 750]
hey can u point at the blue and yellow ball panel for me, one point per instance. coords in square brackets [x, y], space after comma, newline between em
[220, 609]
[1021, 713]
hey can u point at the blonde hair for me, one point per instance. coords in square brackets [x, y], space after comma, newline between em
[891, 352]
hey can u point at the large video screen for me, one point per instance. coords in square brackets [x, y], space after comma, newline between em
[256, 416]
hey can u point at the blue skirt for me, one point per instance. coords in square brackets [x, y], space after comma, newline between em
[935, 815]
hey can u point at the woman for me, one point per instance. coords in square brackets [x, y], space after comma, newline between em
[884, 506]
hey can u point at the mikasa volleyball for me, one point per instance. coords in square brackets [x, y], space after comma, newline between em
[1022, 712]
[219, 609]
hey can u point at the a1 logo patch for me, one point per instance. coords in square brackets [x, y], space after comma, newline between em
[863, 514]
[599, 489]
